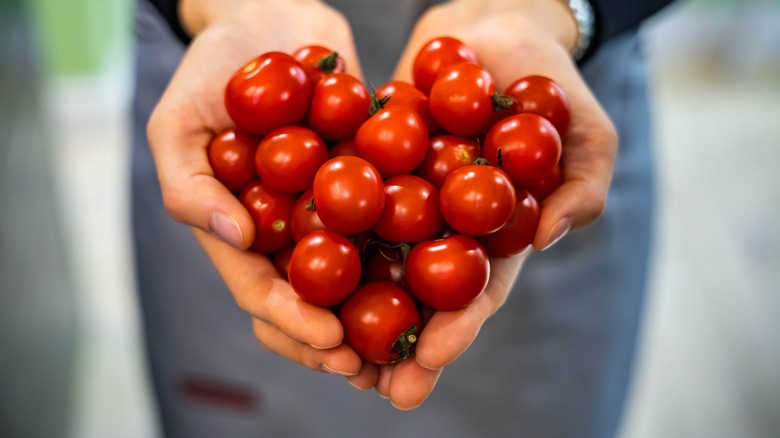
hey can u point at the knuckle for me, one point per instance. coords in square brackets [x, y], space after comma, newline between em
[174, 202]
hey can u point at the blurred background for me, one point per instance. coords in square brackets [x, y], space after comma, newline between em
[71, 360]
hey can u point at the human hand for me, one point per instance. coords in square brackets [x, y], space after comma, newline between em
[228, 34]
[512, 39]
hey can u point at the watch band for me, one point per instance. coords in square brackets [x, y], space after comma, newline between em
[586, 25]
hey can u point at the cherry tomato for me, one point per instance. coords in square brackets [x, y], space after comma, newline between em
[447, 274]
[530, 146]
[349, 195]
[411, 211]
[318, 62]
[477, 199]
[542, 96]
[289, 157]
[271, 211]
[394, 140]
[515, 236]
[324, 268]
[405, 94]
[461, 99]
[281, 260]
[304, 216]
[341, 149]
[232, 157]
[269, 92]
[434, 56]
[542, 188]
[383, 262]
[339, 105]
[381, 323]
[445, 154]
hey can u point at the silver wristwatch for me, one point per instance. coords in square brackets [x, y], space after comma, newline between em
[586, 25]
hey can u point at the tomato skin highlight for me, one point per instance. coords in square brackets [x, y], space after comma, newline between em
[446, 153]
[375, 317]
[436, 55]
[349, 195]
[530, 146]
[339, 105]
[411, 212]
[269, 92]
[289, 157]
[271, 212]
[394, 140]
[461, 99]
[477, 199]
[231, 156]
[542, 96]
[324, 268]
[447, 274]
[518, 234]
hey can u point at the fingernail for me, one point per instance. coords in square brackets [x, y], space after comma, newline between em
[328, 369]
[558, 231]
[226, 229]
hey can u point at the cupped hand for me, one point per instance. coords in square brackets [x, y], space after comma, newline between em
[511, 39]
[225, 37]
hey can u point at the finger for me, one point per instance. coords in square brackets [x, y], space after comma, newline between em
[383, 381]
[410, 384]
[340, 360]
[448, 334]
[366, 378]
[260, 291]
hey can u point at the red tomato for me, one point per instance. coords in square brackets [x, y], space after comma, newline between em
[341, 149]
[289, 157]
[542, 96]
[447, 274]
[383, 263]
[269, 92]
[515, 236]
[349, 195]
[281, 260]
[405, 94]
[318, 62]
[477, 199]
[339, 105]
[530, 146]
[394, 140]
[304, 216]
[324, 268]
[381, 323]
[434, 56]
[542, 188]
[411, 211]
[461, 99]
[271, 211]
[445, 154]
[232, 157]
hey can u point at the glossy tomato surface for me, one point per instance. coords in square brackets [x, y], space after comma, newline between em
[339, 105]
[476, 200]
[519, 232]
[542, 96]
[232, 158]
[324, 268]
[411, 212]
[349, 195]
[530, 147]
[342, 148]
[399, 93]
[446, 153]
[304, 216]
[545, 186]
[269, 92]
[383, 262]
[436, 55]
[271, 212]
[447, 274]
[461, 99]
[318, 61]
[289, 157]
[394, 140]
[381, 322]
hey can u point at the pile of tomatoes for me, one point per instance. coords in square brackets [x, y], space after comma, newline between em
[378, 204]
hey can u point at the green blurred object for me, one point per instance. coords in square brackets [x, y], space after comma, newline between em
[79, 37]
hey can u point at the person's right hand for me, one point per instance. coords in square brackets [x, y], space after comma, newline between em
[226, 35]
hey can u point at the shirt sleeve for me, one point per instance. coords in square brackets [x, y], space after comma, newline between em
[169, 9]
[614, 17]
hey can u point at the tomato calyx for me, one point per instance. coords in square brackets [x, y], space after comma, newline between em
[377, 103]
[405, 345]
[502, 102]
[310, 206]
[328, 63]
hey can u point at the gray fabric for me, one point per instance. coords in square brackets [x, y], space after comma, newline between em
[555, 361]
